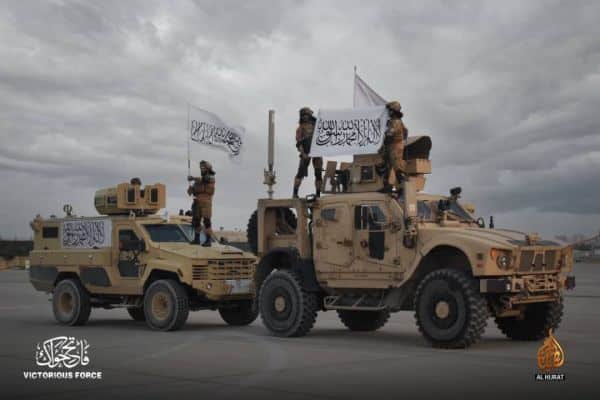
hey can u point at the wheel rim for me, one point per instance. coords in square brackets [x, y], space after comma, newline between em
[442, 309]
[161, 305]
[66, 303]
[279, 304]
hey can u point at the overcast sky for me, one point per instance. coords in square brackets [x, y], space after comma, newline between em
[93, 93]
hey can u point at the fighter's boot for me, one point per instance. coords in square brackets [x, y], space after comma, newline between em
[296, 187]
[318, 186]
[209, 236]
[196, 238]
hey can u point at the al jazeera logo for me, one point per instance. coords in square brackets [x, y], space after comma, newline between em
[550, 357]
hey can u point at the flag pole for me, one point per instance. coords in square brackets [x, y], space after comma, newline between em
[354, 89]
[188, 139]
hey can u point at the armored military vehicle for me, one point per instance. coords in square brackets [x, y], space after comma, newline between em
[131, 257]
[366, 254]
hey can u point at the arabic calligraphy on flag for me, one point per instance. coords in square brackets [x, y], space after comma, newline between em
[207, 128]
[349, 131]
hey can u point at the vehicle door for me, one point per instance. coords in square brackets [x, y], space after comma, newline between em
[333, 235]
[128, 253]
[375, 243]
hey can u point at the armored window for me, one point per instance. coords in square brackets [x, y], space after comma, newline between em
[131, 195]
[368, 217]
[166, 233]
[328, 214]
[99, 201]
[361, 217]
[127, 234]
[366, 173]
[154, 195]
[423, 210]
[50, 232]
[376, 218]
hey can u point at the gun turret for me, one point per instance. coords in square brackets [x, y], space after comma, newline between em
[127, 197]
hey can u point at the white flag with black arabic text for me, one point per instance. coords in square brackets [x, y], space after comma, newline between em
[349, 131]
[208, 128]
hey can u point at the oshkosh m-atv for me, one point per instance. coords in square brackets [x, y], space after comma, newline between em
[130, 257]
[366, 254]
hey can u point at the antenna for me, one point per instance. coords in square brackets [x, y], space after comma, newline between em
[269, 172]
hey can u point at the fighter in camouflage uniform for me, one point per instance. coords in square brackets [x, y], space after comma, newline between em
[304, 134]
[392, 149]
[203, 189]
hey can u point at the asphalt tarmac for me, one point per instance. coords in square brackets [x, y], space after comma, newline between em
[210, 360]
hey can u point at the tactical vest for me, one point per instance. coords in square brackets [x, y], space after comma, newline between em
[203, 190]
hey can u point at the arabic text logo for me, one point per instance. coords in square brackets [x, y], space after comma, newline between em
[62, 352]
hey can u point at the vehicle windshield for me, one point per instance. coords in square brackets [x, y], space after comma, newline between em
[428, 211]
[166, 233]
[188, 229]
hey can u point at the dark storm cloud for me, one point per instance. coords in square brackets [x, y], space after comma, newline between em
[94, 93]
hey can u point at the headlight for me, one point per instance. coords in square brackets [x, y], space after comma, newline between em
[503, 258]
[503, 261]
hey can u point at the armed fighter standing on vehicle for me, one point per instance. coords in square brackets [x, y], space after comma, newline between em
[392, 148]
[203, 190]
[304, 134]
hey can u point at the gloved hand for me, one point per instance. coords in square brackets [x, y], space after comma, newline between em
[190, 178]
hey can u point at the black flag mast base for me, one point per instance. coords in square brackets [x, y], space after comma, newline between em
[270, 172]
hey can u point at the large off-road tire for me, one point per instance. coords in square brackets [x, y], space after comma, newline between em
[136, 313]
[166, 305]
[71, 303]
[252, 228]
[286, 309]
[539, 318]
[450, 311]
[239, 314]
[364, 320]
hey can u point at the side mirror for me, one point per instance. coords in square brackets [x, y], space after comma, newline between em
[132, 245]
[455, 192]
[481, 222]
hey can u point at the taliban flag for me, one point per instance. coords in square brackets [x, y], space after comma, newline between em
[208, 128]
[364, 96]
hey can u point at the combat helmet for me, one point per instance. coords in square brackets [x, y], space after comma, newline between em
[395, 107]
[306, 111]
[208, 166]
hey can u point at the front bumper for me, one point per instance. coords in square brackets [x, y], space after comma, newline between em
[225, 289]
[527, 284]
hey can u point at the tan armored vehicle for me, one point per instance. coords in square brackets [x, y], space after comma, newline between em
[367, 254]
[130, 257]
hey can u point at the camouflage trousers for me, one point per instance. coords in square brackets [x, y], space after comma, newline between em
[393, 158]
[303, 170]
[201, 214]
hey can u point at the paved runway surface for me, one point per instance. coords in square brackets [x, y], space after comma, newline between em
[210, 360]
